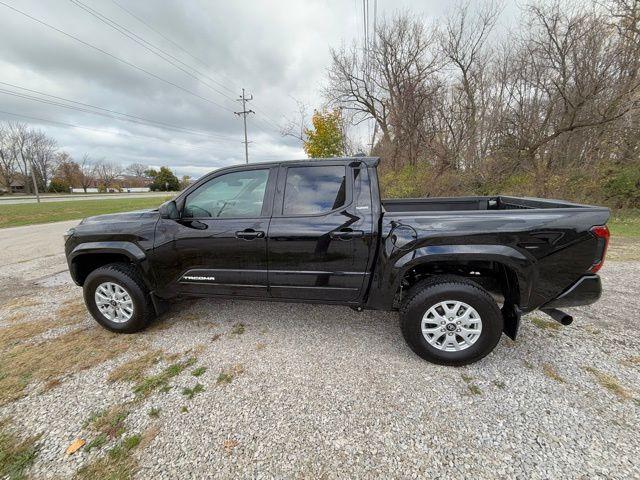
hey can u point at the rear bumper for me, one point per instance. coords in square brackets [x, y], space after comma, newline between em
[585, 291]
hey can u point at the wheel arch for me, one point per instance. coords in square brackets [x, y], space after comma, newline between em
[499, 269]
[86, 257]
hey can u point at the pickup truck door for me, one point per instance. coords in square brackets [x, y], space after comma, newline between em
[321, 233]
[218, 245]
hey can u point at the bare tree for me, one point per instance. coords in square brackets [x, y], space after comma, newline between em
[87, 172]
[393, 81]
[566, 75]
[297, 126]
[137, 170]
[107, 172]
[20, 140]
[42, 156]
[7, 160]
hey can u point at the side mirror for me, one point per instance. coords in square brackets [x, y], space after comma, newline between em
[169, 210]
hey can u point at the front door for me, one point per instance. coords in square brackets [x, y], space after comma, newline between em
[319, 238]
[219, 245]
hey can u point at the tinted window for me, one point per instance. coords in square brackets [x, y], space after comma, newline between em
[238, 194]
[312, 190]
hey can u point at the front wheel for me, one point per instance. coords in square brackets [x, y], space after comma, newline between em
[450, 321]
[117, 298]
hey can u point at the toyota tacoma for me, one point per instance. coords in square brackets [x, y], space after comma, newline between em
[461, 271]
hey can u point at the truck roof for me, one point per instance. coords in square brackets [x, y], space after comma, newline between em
[370, 161]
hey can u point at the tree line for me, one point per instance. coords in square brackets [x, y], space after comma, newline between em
[551, 108]
[29, 155]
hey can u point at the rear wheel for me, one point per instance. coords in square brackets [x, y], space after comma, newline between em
[450, 321]
[117, 298]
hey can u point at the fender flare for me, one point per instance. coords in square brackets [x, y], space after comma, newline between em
[521, 264]
[129, 249]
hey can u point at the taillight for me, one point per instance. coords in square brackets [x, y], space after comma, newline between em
[601, 232]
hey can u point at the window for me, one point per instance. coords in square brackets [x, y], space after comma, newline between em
[313, 190]
[238, 194]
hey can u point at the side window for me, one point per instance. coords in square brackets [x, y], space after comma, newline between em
[313, 190]
[238, 194]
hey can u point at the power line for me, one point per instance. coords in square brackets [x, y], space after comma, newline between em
[167, 57]
[132, 65]
[110, 132]
[177, 45]
[243, 98]
[130, 118]
[272, 122]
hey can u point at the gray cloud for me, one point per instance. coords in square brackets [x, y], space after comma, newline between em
[276, 50]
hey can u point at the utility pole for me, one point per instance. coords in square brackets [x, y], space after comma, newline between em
[243, 98]
[35, 184]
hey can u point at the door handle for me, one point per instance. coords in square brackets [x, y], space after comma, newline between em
[346, 234]
[249, 234]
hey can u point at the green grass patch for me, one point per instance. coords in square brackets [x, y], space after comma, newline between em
[109, 422]
[97, 442]
[199, 371]
[238, 329]
[161, 381]
[154, 412]
[15, 455]
[625, 223]
[119, 463]
[32, 213]
[192, 392]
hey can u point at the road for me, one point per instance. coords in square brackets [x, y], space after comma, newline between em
[12, 200]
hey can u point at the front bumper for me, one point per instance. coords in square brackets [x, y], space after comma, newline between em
[585, 291]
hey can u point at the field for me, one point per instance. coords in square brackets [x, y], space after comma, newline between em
[625, 223]
[31, 213]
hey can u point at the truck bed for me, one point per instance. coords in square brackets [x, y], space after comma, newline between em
[448, 204]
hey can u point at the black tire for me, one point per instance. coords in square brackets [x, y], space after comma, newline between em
[128, 277]
[430, 292]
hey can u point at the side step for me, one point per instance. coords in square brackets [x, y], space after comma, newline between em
[559, 316]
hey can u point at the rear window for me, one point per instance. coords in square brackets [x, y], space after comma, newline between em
[314, 190]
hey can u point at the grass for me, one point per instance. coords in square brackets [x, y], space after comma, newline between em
[97, 442]
[15, 454]
[552, 373]
[161, 381]
[119, 463]
[133, 370]
[543, 324]
[198, 372]
[22, 362]
[238, 329]
[227, 375]
[109, 422]
[609, 382]
[625, 223]
[473, 389]
[192, 392]
[154, 412]
[32, 213]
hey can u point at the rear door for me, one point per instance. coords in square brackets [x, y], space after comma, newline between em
[218, 246]
[320, 236]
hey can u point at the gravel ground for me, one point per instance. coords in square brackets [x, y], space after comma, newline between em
[325, 392]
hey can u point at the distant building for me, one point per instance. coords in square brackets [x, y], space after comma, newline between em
[123, 184]
[17, 186]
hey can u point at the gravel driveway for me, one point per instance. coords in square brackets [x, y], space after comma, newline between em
[238, 389]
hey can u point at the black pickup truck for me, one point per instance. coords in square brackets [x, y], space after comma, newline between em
[461, 271]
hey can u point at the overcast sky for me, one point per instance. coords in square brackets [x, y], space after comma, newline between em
[277, 50]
